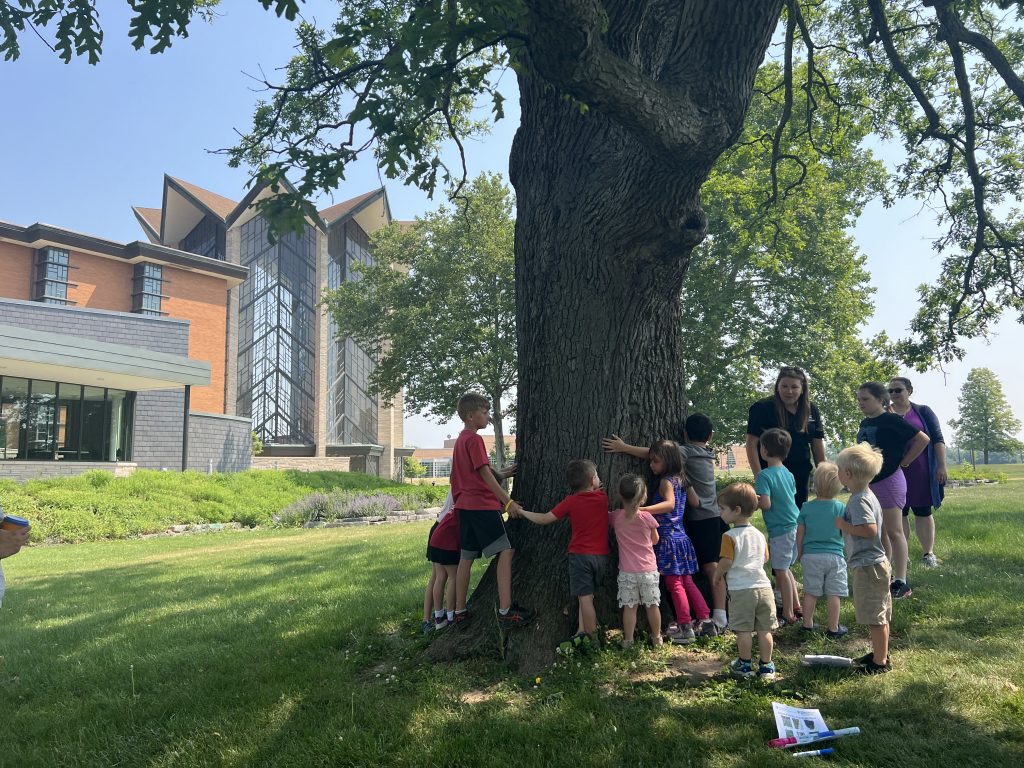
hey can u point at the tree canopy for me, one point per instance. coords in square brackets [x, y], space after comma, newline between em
[986, 422]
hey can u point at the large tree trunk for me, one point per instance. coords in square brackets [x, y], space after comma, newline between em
[606, 224]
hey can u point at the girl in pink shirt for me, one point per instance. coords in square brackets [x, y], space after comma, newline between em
[636, 533]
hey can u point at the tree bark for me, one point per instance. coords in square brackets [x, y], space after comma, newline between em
[607, 218]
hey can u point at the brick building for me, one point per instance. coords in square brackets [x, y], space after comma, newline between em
[204, 331]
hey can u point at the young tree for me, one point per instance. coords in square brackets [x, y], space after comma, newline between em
[438, 309]
[986, 422]
[413, 467]
[625, 107]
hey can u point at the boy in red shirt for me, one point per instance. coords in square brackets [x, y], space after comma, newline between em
[479, 502]
[587, 510]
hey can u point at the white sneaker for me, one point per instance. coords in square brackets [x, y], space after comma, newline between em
[930, 561]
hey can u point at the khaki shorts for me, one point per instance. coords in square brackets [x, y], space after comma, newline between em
[752, 610]
[872, 601]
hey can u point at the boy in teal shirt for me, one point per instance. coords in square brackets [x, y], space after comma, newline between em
[776, 495]
[821, 551]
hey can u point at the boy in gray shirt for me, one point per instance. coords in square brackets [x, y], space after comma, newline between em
[861, 524]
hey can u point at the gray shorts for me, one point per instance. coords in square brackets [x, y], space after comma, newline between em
[824, 574]
[782, 550]
[585, 573]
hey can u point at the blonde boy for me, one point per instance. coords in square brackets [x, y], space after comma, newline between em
[861, 522]
[819, 548]
[751, 600]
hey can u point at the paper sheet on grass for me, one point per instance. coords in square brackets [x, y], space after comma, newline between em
[801, 724]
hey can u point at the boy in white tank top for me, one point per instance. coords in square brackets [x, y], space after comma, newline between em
[751, 600]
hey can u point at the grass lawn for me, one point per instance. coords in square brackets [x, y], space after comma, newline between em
[299, 647]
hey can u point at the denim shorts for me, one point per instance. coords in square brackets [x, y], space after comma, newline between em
[782, 550]
[824, 574]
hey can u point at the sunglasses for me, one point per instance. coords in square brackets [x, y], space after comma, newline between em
[895, 391]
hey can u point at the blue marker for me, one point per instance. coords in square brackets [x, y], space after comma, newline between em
[814, 752]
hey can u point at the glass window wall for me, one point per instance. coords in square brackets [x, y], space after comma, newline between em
[47, 421]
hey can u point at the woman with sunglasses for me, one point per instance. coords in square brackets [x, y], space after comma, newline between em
[926, 475]
[789, 408]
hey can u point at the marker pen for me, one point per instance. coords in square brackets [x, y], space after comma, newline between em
[814, 752]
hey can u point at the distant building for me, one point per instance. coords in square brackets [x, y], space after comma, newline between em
[134, 353]
[438, 461]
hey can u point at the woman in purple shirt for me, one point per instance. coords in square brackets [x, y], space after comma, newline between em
[926, 475]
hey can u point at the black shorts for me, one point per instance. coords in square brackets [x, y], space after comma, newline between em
[706, 536]
[438, 555]
[482, 533]
[585, 573]
[918, 511]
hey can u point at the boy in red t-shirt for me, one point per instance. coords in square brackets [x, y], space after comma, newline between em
[480, 501]
[587, 510]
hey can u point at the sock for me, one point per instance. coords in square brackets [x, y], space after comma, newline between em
[451, 615]
[438, 615]
[719, 617]
[762, 661]
[504, 611]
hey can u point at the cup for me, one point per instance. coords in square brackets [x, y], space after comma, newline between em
[13, 523]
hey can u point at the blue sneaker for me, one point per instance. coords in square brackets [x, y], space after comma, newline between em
[766, 670]
[741, 669]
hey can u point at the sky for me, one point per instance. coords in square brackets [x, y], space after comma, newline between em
[82, 144]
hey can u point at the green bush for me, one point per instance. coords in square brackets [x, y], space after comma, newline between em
[729, 478]
[96, 505]
[965, 473]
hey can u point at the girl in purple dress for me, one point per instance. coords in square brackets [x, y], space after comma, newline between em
[677, 559]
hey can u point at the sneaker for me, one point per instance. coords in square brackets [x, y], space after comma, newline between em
[839, 633]
[515, 618]
[460, 619]
[672, 630]
[440, 623]
[741, 669]
[930, 561]
[684, 636]
[707, 628]
[766, 670]
[809, 630]
[426, 627]
[625, 644]
[871, 668]
[900, 590]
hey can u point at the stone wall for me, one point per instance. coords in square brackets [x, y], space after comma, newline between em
[219, 443]
[303, 463]
[41, 470]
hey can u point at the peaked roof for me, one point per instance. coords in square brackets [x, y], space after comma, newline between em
[217, 204]
[149, 218]
[335, 212]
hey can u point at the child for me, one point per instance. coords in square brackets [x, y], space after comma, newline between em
[751, 600]
[702, 523]
[862, 524]
[443, 553]
[479, 502]
[587, 510]
[776, 492]
[636, 533]
[677, 561]
[819, 548]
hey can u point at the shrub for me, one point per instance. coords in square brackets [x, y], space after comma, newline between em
[965, 473]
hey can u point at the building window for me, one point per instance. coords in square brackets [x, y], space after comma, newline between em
[51, 276]
[351, 408]
[147, 292]
[208, 238]
[277, 334]
[52, 421]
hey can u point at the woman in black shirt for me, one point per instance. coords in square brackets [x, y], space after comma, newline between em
[791, 409]
[900, 443]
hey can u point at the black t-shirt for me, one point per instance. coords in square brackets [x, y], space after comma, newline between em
[890, 434]
[762, 417]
